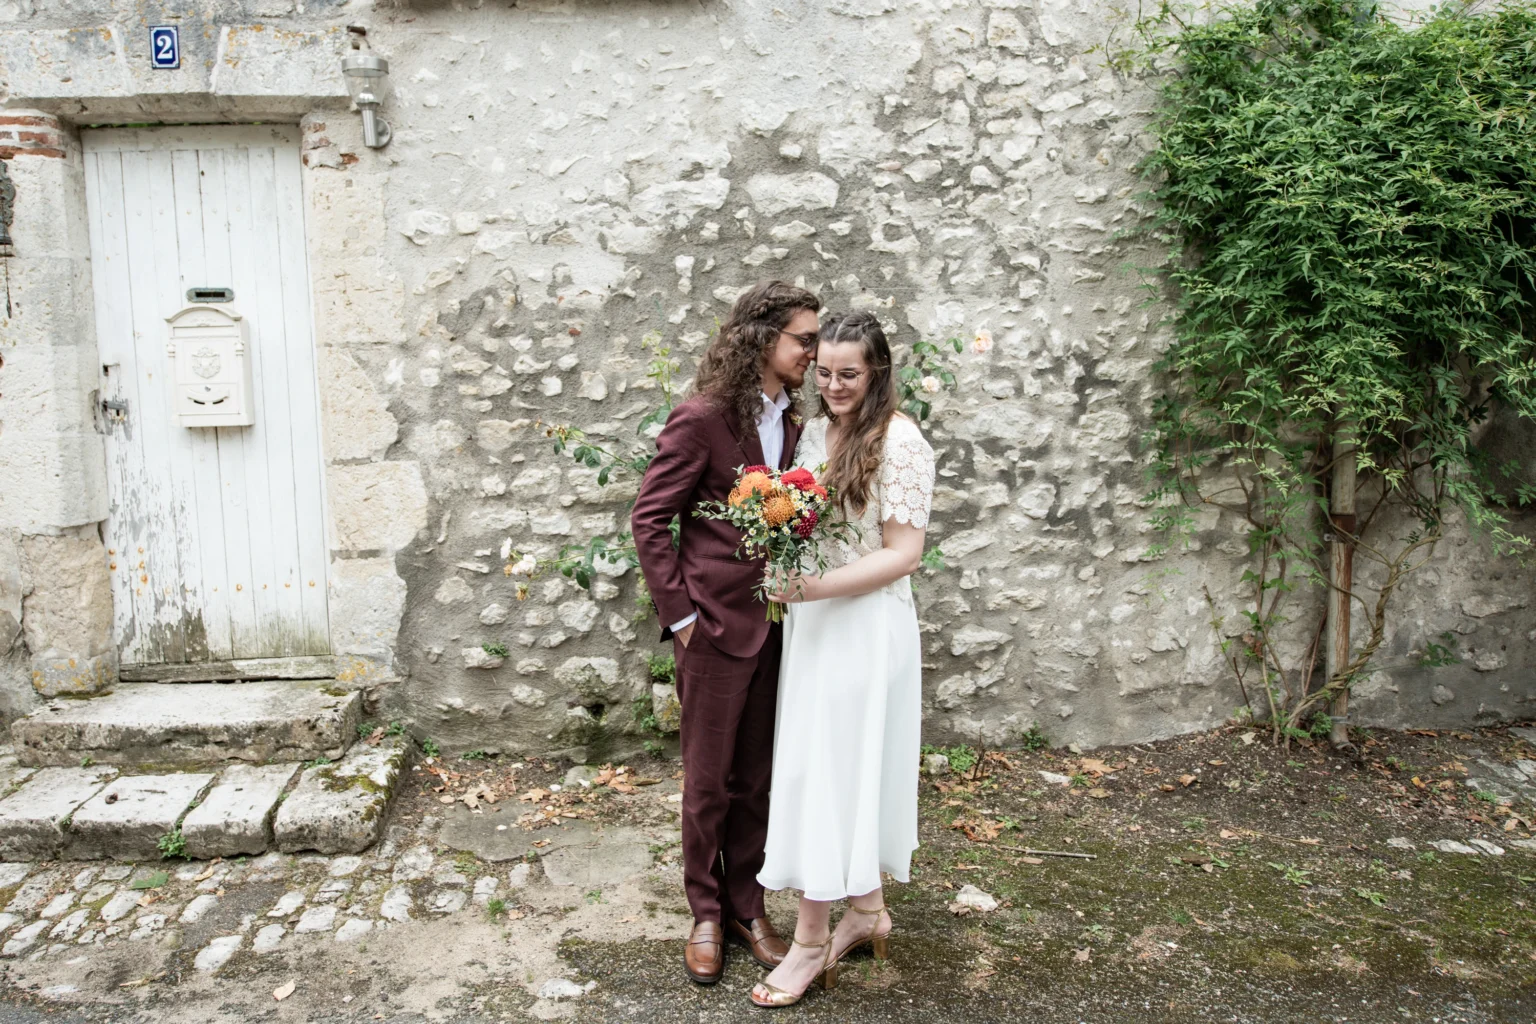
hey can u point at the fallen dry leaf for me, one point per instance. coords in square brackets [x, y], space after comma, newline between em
[541, 843]
[1099, 793]
[1082, 956]
[1031, 860]
[1217, 763]
[1166, 788]
[1227, 833]
[283, 991]
[1188, 780]
[447, 799]
[979, 830]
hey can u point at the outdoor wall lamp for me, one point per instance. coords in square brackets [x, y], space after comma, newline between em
[367, 77]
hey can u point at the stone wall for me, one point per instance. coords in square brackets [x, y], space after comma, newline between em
[55, 606]
[567, 179]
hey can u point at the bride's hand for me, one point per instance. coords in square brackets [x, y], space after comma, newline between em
[794, 588]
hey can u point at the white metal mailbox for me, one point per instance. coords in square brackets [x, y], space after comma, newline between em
[211, 368]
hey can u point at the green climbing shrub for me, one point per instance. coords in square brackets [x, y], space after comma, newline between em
[1348, 207]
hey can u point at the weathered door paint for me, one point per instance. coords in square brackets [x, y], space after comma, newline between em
[215, 536]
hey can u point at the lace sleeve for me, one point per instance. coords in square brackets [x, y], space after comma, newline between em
[906, 476]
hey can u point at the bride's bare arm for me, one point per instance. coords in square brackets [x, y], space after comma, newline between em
[900, 555]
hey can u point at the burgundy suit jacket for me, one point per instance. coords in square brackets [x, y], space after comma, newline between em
[698, 455]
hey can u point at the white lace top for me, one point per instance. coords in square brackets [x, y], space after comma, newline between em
[904, 492]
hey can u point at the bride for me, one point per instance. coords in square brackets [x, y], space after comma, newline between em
[844, 793]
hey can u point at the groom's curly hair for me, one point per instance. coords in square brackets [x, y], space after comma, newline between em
[731, 370]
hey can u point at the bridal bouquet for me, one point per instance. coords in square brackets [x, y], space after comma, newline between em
[783, 519]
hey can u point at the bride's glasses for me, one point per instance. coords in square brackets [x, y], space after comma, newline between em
[846, 378]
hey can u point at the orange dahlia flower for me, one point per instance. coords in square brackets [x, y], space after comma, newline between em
[778, 509]
[755, 483]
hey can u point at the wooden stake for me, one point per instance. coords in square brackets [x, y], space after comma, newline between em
[1341, 563]
[1048, 853]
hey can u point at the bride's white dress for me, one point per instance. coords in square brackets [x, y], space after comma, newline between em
[843, 806]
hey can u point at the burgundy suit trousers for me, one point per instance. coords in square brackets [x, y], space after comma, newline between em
[728, 704]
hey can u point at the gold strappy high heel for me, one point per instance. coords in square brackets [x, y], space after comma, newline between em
[827, 979]
[880, 945]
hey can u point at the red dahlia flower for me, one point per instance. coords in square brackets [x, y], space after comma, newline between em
[799, 478]
[757, 469]
[806, 524]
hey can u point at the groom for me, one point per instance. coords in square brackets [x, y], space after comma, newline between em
[742, 413]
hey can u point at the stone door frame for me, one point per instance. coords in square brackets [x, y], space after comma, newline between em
[356, 306]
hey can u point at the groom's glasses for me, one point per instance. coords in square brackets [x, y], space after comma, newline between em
[807, 341]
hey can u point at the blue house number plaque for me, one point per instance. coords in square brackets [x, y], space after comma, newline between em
[164, 46]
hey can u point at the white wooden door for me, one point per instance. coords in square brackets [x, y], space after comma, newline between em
[216, 536]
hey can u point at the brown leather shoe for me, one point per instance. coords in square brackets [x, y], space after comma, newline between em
[705, 955]
[758, 935]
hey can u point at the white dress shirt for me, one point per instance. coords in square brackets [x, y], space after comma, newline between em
[770, 432]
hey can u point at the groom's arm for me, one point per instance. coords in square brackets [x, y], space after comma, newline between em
[682, 455]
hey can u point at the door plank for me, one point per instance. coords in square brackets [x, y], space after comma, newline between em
[309, 485]
[216, 267]
[308, 460]
[212, 525]
[163, 577]
[164, 291]
[275, 379]
[115, 349]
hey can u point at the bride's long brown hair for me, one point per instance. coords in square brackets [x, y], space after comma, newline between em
[851, 470]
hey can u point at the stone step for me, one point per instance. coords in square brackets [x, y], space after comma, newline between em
[96, 813]
[186, 724]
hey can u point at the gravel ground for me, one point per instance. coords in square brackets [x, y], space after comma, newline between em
[1231, 880]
